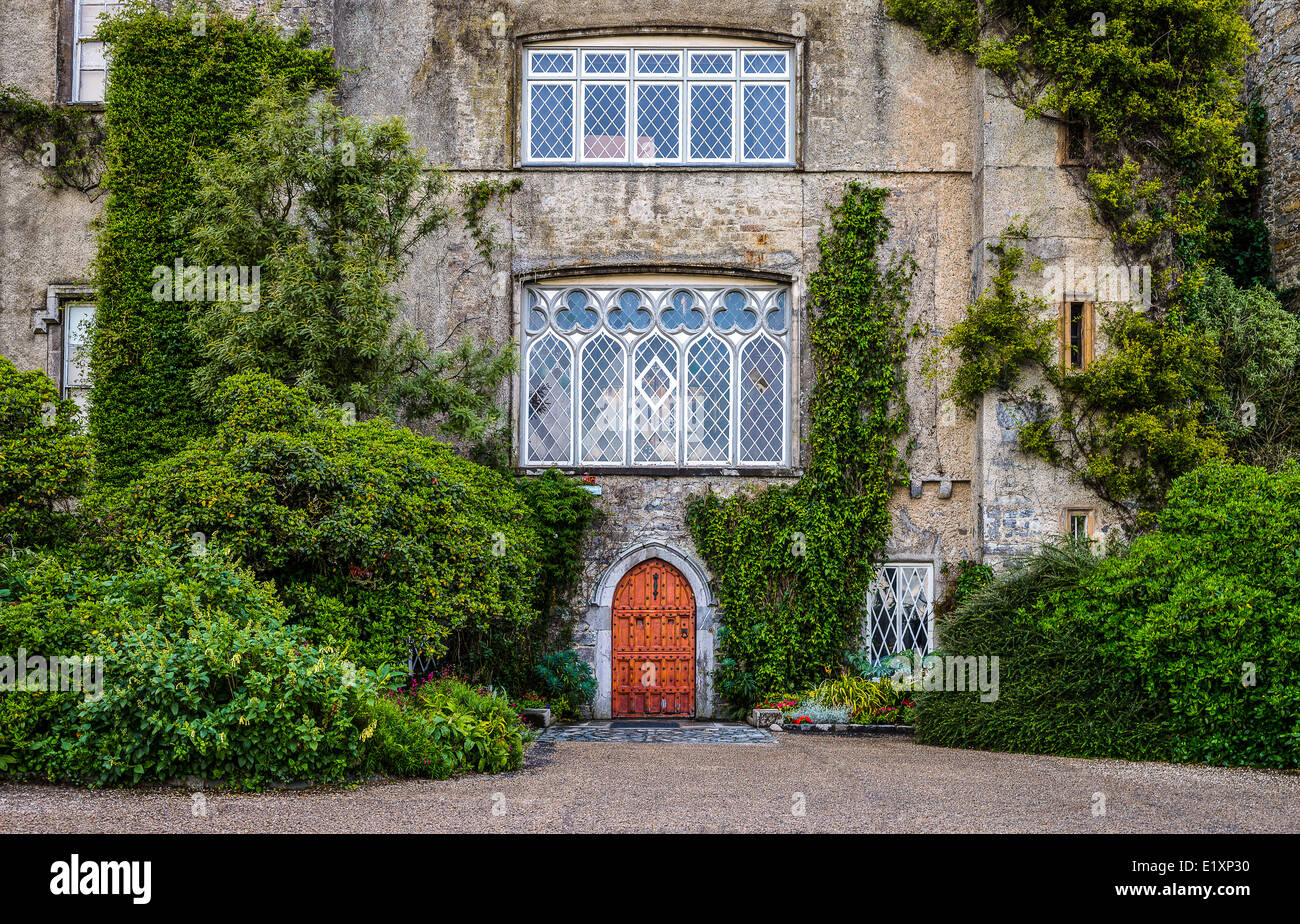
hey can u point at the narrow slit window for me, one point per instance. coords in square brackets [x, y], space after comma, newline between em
[1076, 335]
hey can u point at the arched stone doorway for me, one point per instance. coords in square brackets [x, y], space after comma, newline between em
[600, 621]
[653, 640]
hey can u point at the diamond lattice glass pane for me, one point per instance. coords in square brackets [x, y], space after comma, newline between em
[712, 63]
[550, 392]
[914, 608]
[605, 62]
[552, 121]
[602, 400]
[658, 121]
[552, 62]
[764, 62]
[658, 62]
[765, 122]
[708, 401]
[711, 121]
[762, 402]
[604, 118]
[882, 628]
[654, 427]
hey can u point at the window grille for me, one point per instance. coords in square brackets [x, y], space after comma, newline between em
[664, 374]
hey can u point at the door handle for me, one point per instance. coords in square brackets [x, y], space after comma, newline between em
[684, 632]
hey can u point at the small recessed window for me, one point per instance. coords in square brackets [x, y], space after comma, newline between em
[77, 319]
[1076, 335]
[658, 102]
[1075, 144]
[1080, 524]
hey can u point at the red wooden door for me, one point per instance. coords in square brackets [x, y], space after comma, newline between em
[653, 621]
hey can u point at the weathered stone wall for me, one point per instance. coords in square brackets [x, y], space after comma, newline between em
[1274, 73]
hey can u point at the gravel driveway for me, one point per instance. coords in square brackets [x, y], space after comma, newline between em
[875, 785]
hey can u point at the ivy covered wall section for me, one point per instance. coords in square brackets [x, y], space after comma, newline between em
[794, 562]
[180, 89]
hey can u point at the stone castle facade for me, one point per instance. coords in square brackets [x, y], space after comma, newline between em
[677, 161]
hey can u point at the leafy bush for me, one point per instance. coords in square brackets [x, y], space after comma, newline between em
[44, 459]
[371, 532]
[566, 681]
[560, 513]
[1184, 646]
[1059, 693]
[244, 702]
[1259, 408]
[200, 677]
[441, 728]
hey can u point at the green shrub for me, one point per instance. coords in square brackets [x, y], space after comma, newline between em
[560, 512]
[1059, 692]
[371, 532]
[441, 728]
[566, 681]
[247, 703]
[1184, 646]
[44, 459]
[201, 676]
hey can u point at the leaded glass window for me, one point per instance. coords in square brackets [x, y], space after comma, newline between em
[900, 610]
[657, 373]
[611, 102]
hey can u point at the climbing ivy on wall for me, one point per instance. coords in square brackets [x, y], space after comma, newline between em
[794, 562]
[179, 90]
[1157, 89]
[67, 143]
[1156, 85]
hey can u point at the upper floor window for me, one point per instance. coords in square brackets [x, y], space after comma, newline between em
[658, 101]
[89, 68]
[678, 373]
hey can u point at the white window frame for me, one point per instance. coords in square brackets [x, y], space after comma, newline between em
[66, 388]
[657, 296]
[628, 134]
[78, 40]
[574, 132]
[898, 615]
[684, 47]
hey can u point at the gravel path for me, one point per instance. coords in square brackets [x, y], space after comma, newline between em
[878, 785]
